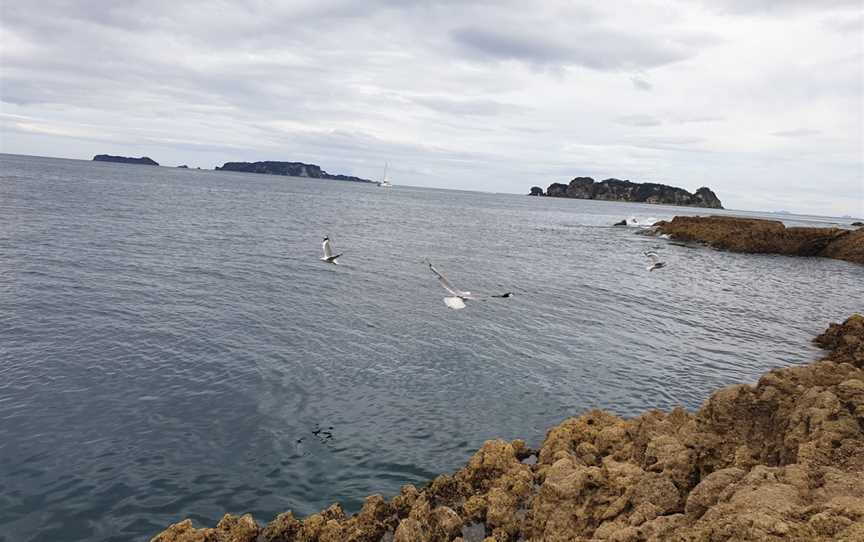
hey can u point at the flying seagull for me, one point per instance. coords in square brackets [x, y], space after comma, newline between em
[458, 298]
[655, 261]
[329, 257]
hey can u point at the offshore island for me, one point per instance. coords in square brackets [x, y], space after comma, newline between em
[781, 460]
[143, 161]
[288, 169]
[618, 190]
[291, 169]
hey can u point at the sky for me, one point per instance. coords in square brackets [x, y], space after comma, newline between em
[761, 100]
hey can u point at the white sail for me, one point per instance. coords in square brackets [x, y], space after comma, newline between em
[385, 181]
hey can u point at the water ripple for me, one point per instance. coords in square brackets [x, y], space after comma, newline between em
[170, 340]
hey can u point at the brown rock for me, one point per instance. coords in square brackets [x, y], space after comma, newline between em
[229, 529]
[753, 235]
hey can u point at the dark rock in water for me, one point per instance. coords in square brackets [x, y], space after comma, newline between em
[184, 166]
[536, 191]
[290, 169]
[618, 190]
[125, 160]
[859, 224]
[621, 223]
[708, 198]
[557, 190]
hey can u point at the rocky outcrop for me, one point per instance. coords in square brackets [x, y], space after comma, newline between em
[781, 460]
[618, 190]
[291, 169]
[754, 235]
[146, 161]
[536, 191]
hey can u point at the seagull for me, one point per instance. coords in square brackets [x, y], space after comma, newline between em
[457, 300]
[328, 253]
[655, 261]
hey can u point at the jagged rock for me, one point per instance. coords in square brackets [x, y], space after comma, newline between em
[557, 190]
[618, 190]
[754, 235]
[291, 169]
[781, 460]
[536, 191]
[229, 529]
[707, 198]
[145, 160]
[622, 222]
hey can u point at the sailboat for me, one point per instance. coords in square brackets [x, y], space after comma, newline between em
[384, 182]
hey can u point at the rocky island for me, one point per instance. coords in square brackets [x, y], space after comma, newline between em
[290, 169]
[145, 160]
[760, 236]
[780, 460]
[618, 190]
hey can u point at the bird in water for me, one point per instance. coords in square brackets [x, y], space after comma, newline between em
[654, 261]
[458, 298]
[329, 257]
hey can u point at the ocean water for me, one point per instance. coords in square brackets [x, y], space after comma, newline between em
[170, 344]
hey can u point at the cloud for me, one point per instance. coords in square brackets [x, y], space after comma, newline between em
[687, 119]
[477, 95]
[846, 23]
[595, 48]
[639, 120]
[477, 107]
[778, 6]
[800, 132]
[641, 84]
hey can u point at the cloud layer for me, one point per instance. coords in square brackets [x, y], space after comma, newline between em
[762, 101]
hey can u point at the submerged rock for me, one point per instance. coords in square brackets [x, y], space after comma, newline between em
[753, 235]
[780, 460]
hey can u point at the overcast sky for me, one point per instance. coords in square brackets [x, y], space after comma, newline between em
[761, 100]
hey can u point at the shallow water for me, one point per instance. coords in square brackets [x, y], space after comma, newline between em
[168, 336]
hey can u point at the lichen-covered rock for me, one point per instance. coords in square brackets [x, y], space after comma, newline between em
[781, 460]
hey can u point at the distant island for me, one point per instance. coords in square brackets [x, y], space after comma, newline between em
[618, 190]
[146, 161]
[290, 169]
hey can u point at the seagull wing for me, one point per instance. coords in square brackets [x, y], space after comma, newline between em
[328, 251]
[446, 284]
[652, 256]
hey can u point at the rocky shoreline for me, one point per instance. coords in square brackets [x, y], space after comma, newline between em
[752, 235]
[781, 460]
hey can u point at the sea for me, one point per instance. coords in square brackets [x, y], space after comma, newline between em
[171, 345]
